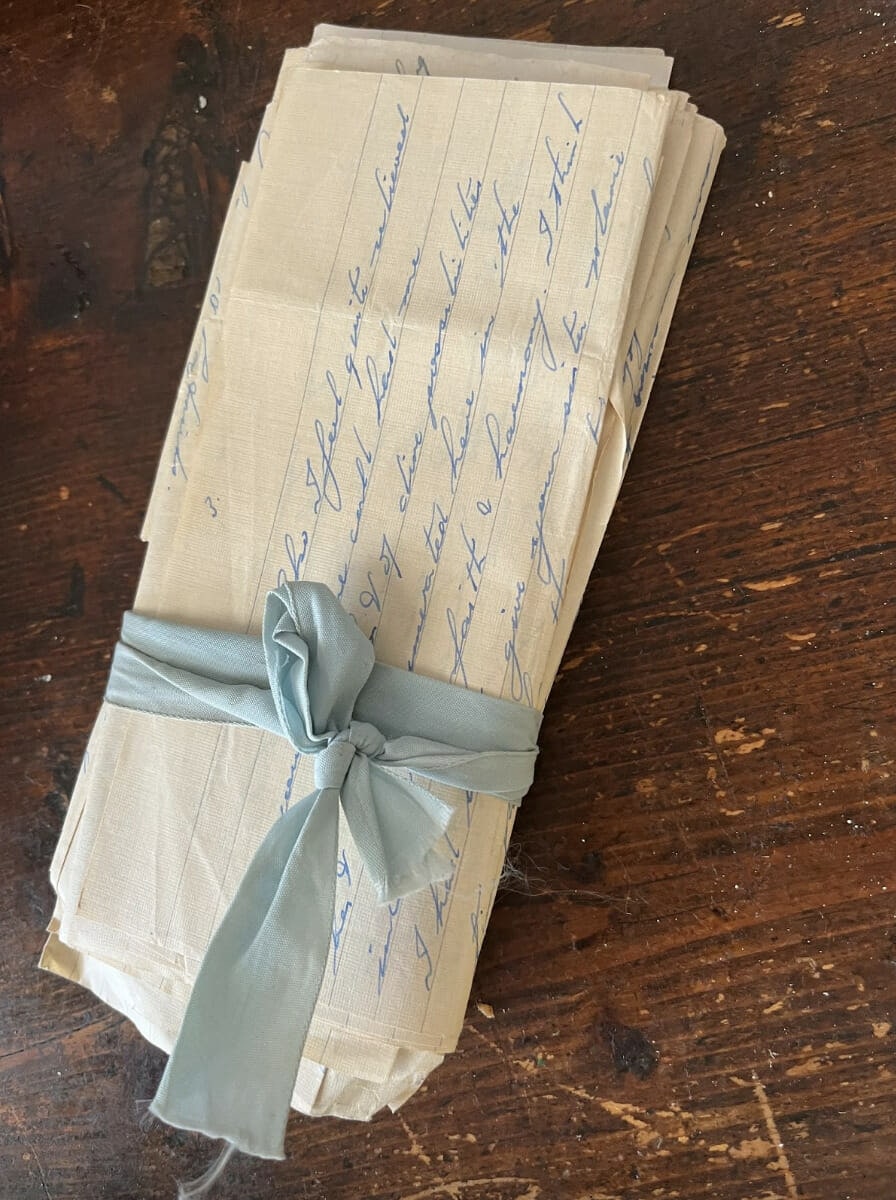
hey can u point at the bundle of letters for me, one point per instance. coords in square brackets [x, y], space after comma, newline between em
[431, 328]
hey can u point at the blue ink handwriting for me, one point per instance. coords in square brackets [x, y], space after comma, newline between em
[567, 407]
[502, 443]
[520, 680]
[409, 286]
[545, 567]
[343, 580]
[387, 183]
[434, 533]
[369, 597]
[294, 557]
[459, 640]
[561, 100]
[506, 222]
[290, 783]
[407, 466]
[383, 965]
[475, 560]
[342, 868]
[457, 453]
[474, 922]
[483, 345]
[602, 214]
[422, 951]
[441, 893]
[339, 924]
[423, 613]
[574, 331]
[387, 558]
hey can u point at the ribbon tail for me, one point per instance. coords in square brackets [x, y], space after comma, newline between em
[232, 1071]
[398, 829]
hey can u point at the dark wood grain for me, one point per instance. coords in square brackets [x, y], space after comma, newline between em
[694, 993]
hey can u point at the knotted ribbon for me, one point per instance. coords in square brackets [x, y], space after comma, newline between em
[312, 679]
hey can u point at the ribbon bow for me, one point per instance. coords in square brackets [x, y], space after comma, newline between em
[312, 679]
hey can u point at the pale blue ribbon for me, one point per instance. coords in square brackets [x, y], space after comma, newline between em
[312, 679]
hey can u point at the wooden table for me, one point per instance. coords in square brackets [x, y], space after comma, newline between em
[693, 993]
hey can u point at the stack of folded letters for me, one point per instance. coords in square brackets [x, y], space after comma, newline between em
[433, 321]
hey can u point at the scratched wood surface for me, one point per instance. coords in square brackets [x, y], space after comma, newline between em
[692, 991]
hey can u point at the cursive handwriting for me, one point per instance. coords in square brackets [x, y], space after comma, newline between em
[325, 483]
[602, 215]
[520, 680]
[457, 450]
[434, 533]
[577, 125]
[407, 467]
[574, 331]
[570, 394]
[458, 635]
[423, 613]
[294, 557]
[387, 558]
[562, 161]
[502, 442]
[358, 290]
[409, 286]
[435, 362]
[361, 466]
[342, 868]
[506, 223]
[290, 783]
[441, 894]
[320, 473]
[339, 924]
[342, 577]
[452, 269]
[422, 951]
[546, 568]
[475, 560]
[420, 69]
[483, 345]
[544, 228]
[370, 597]
[474, 922]
[189, 409]
[387, 182]
[262, 133]
[379, 380]
[593, 423]
[383, 962]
